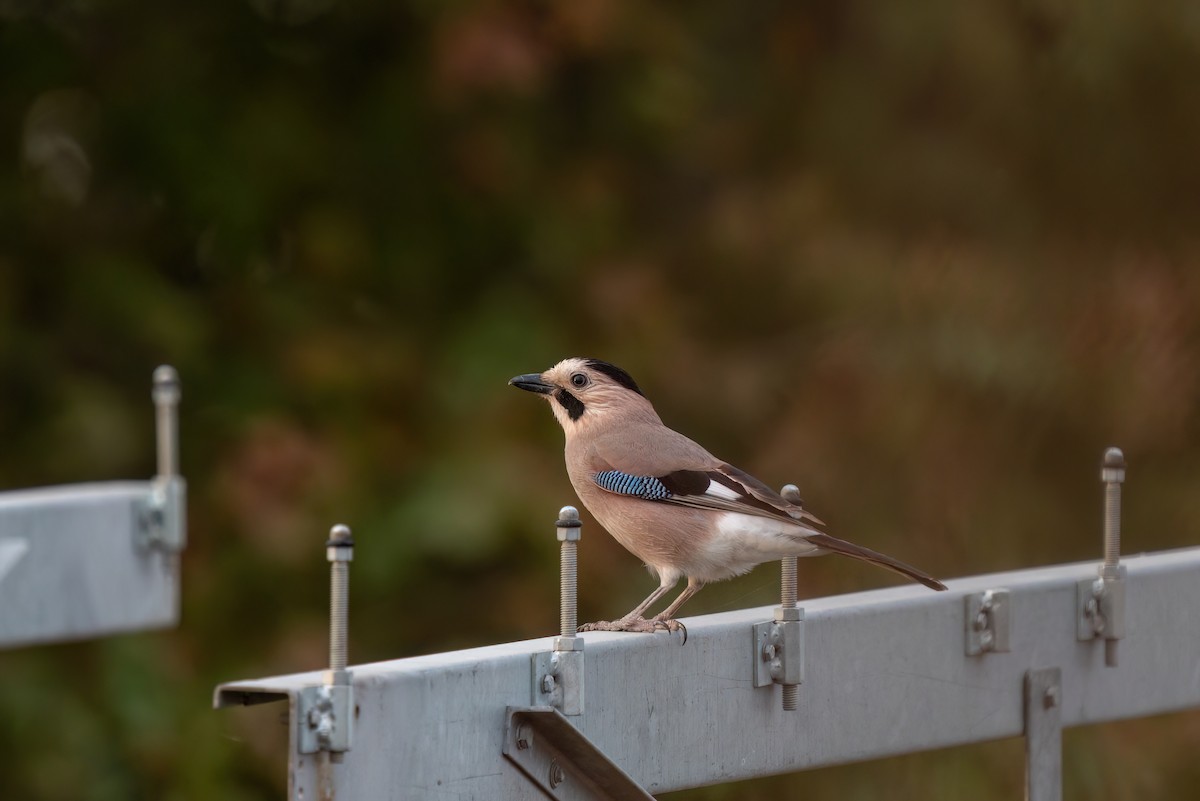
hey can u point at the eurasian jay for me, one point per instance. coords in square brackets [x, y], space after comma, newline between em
[675, 506]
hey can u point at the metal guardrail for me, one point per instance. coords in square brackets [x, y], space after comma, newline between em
[881, 673]
[92, 559]
[886, 673]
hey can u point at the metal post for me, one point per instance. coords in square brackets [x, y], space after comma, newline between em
[559, 675]
[1101, 600]
[1113, 475]
[166, 404]
[778, 656]
[788, 596]
[339, 550]
[568, 531]
[333, 720]
[1043, 735]
[163, 522]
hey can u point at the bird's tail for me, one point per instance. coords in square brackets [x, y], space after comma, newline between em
[828, 543]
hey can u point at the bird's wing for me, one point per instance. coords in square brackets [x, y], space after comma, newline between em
[722, 488]
[658, 464]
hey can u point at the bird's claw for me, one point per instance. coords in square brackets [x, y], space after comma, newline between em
[637, 624]
[671, 626]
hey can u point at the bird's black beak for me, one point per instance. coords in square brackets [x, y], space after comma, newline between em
[531, 382]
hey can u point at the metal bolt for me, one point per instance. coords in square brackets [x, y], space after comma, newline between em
[523, 737]
[1050, 697]
[557, 776]
[787, 582]
[1112, 473]
[166, 394]
[339, 550]
[568, 527]
[788, 593]
[548, 684]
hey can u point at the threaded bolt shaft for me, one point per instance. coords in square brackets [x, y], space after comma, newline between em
[569, 577]
[1112, 524]
[339, 611]
[1113, 475]
[787, 582]
[568, 532]
[340, 551]
[165, 394]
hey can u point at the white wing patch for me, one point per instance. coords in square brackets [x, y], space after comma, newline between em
[744, 541]
[719, 490]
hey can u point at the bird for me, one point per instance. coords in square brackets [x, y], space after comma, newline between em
[685, 513]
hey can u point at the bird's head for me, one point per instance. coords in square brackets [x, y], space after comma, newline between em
[585, 392]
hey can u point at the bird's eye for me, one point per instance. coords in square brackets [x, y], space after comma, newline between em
[579, 380]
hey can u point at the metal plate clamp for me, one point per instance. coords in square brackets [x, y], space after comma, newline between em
[325, 717]
[558, 678]
[562, 762]
[779, 649]
[988, 621]
[160, 516]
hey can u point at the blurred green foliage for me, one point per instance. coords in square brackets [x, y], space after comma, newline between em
[925, 260]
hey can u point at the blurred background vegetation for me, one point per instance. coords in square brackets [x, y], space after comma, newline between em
[924, 259]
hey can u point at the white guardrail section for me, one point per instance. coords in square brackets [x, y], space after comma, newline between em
[87, 560]
[887, 672]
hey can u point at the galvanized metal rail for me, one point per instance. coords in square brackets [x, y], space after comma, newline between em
[92, 559]
[882, 673]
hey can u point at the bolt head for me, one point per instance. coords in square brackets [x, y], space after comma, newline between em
[336, 678]
[166, 385]
[340, 553]
[1113, 467]
[523, 736]
[785, 614]
[557, 776]
[548, 684]
[1050, 698]
[568, 524]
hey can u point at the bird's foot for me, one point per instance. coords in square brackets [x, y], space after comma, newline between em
[624, 624]
[638, 624]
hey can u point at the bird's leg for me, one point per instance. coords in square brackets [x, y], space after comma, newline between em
[634, 620]
[666, 618]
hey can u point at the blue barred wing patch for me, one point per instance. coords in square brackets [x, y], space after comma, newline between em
[646, 487]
